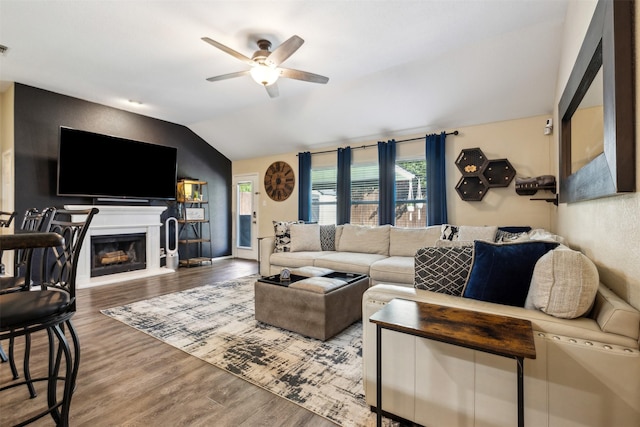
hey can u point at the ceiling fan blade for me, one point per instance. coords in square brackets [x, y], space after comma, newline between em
[230, 51]
[229, 76]
[284, 51]
[272, 90]
[303, 75]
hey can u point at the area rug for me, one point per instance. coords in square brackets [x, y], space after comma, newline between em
[216, 323]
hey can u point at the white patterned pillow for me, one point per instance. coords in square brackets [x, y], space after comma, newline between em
[449, 232]
[443, 270]
[283, 236]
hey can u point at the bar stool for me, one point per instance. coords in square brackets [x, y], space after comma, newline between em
[51, 308]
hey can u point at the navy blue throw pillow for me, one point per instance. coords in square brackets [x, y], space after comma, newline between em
[502, 273]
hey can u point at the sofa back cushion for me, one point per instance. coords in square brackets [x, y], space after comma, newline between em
[364, 239]
[407, 241]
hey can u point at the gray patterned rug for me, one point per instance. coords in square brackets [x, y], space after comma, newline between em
[216, 324]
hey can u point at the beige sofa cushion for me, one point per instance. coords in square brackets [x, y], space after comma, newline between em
[564, 284]
[305, 237]
[407, 241]
[363, 239]
[469, 233]
[349, 262]
[394, 269]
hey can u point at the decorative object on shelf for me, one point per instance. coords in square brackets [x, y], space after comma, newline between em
[528, 186]
[479, 174]
[194, 213]
[279, 181]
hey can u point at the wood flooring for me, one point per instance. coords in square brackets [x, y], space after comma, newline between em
[128, 378]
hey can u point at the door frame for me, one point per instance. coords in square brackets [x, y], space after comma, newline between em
[237, 252]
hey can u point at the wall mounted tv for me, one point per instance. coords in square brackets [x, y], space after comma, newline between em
[108, 167]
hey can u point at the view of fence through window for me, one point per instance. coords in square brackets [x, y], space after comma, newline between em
[410, 194]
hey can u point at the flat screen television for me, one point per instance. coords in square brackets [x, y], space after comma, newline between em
[108, 167]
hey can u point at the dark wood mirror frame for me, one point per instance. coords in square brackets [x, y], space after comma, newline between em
[608, 43]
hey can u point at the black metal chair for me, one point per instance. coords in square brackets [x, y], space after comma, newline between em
[51, 308]
[33, 220]
[5, 221]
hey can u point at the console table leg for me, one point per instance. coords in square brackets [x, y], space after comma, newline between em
[520, 362]
[379, 375]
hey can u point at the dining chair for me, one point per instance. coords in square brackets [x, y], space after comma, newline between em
[33, 220]
[6, 218]
[50, 306]
[5, 221]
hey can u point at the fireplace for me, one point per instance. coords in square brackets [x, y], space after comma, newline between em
[112, 254]
[115, 220]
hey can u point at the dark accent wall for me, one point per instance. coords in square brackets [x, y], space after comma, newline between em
[38, 116]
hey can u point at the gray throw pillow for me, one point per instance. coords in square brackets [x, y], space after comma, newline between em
[328, 237]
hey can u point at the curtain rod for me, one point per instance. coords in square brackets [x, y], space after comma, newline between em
[455, 132]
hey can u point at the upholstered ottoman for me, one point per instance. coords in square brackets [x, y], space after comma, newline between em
[318, 307]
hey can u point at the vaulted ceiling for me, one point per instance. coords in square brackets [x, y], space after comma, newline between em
[395, 67]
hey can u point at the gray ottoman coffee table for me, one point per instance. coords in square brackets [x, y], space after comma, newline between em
[319, 306]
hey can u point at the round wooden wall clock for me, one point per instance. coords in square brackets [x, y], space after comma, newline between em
[279, 181]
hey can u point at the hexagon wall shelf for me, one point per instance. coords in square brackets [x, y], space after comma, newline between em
[479, 174]
[472, 188]
[499, 173]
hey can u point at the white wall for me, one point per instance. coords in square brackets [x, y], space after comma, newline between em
[606, 230]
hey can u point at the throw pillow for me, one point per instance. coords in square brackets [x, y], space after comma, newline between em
[305, 237]
[504, 236]
[443, 270]
[283, 238]
[470, 233]
[453, 244]
[449, 232]
[328, 237]
[501, 273]
[564, 284]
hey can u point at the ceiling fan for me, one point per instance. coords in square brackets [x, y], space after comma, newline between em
[265, 65]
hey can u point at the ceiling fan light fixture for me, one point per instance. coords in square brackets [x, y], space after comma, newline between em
[264, 75]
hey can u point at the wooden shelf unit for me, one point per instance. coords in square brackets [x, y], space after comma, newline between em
[193, 223]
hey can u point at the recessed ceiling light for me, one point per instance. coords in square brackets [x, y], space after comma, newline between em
[133, 101]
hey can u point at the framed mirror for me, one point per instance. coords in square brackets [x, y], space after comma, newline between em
[597, 132]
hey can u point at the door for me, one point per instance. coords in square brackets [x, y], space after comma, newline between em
[245, 218]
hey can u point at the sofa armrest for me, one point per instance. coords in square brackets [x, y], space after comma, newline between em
[584, 328]
[266, 246]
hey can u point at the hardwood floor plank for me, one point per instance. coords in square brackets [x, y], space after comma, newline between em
[128, 378]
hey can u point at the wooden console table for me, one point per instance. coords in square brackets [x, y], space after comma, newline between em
[490, 333]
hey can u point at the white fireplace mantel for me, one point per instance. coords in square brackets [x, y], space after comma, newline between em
[113, 220]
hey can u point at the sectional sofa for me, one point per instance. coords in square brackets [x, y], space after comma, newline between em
[587, 366]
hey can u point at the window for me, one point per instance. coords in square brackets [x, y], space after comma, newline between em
[410, 193]
[365, 198]
[324, 183]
